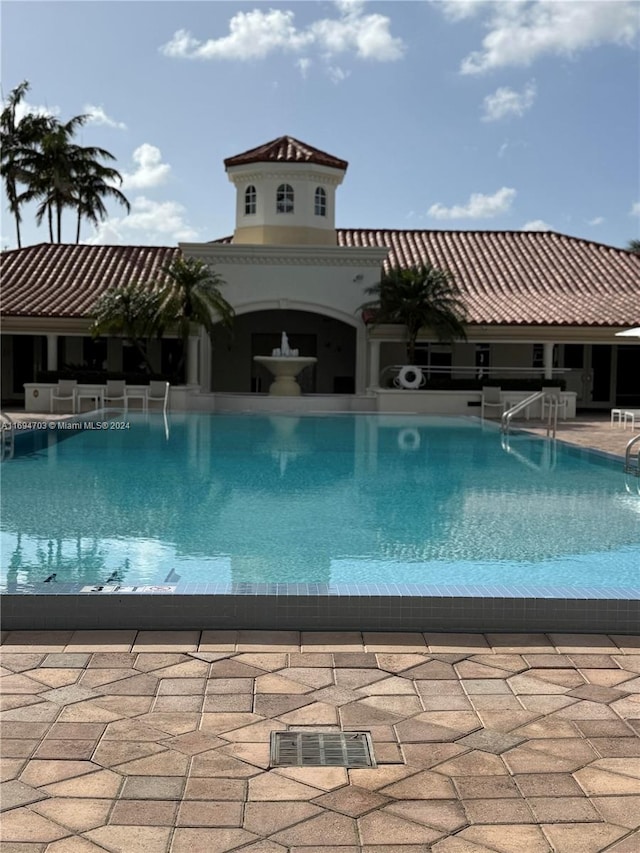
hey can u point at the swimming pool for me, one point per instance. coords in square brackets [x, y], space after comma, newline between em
[315, 500]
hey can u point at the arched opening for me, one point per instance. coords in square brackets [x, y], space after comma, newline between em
[250, 200]
[284, 199]
[331, 341]
[320, 202]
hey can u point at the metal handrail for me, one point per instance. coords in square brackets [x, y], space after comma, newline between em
[554, 405]
[628, 467]
[7, 442]
[505, 420]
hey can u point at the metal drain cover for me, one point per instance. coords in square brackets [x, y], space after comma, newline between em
[321, 749]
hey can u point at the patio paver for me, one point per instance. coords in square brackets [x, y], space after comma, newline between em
[160, 743]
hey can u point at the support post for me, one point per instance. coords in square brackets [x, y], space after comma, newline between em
[52, 352]
[374, 364]
[548, 360]
[192, 360]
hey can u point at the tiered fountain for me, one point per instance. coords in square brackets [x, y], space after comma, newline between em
[285, 364]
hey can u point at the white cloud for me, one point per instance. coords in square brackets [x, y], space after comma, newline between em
[337, 74]
[97, 115]
[25, 108]
[597, 220]
[367, 35]
[503, 148]
[457, 10]
[520, 32]
[507, 102]
[149, 223]
[635, 209]
[479, 206]
[536, 225]
[304, 63]
[150, 172]
[256, 34]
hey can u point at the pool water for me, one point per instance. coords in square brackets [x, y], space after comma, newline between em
[362, 499]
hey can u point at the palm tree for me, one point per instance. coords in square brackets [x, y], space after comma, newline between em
[418, 297]
[17, 139]
[134, 312]
[634, 246]
[193, 297]
[93, 183]
[55, 171]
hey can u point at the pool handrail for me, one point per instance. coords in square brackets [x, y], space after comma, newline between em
[505, 420]
[7, 442]
[629, 468]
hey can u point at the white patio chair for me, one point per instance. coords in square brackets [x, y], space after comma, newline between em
[115, 391]
[630, 416]
[65, 391]
[158, 393]
[491, 399]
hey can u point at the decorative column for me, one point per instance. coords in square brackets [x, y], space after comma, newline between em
[361, 358]
[548, 360]
[205, 362]
[52, 352]
[192, 360]
[374, 364]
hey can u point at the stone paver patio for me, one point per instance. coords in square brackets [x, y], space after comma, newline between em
[159, 742]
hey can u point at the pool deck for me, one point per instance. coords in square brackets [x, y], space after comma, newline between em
[589, 431]
[145, 742]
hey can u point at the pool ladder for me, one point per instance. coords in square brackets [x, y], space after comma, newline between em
[7, 440]
[544, 397]
[631, 462]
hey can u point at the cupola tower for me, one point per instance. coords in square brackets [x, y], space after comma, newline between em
[285, 194]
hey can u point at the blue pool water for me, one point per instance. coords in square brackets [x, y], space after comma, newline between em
[363, 499]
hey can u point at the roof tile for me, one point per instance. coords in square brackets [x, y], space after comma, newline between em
[286, 149]
[505, 277]
[59, 280]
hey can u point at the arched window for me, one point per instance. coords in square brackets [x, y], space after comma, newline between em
[320, 202]
[284, 199]
[250, 200]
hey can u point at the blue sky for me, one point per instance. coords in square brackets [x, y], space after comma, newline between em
[458, 114]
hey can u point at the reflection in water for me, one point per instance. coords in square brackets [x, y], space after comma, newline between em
[311, 500]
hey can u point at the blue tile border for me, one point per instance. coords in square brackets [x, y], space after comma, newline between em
[333, 609]
[292, 590]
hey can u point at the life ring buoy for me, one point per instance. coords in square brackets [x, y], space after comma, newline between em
[409, 439]
[410, 377]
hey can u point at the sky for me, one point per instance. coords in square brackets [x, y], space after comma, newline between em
[452, 114]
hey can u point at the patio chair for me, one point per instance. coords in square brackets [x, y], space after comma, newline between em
[491, 399]
[65, 391]
[115, 391]
[158, 393]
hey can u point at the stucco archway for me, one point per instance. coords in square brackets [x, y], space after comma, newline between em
[331, 340]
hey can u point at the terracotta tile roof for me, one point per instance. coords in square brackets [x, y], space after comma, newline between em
[59, 280]
[286, 149]
[522, 277]
[506, 277]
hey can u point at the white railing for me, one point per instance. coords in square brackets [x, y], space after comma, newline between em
[468, 371]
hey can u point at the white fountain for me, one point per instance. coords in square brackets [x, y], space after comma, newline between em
[285, 364]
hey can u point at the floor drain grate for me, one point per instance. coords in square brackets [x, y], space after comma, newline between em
[321, 749]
